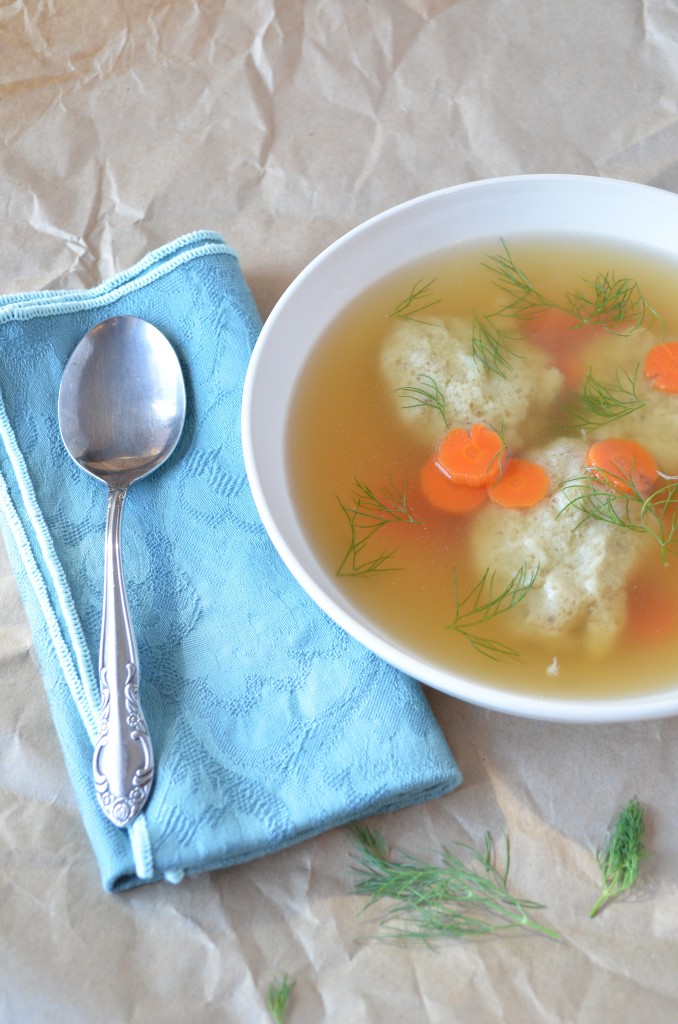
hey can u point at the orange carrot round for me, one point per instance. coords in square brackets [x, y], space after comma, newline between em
[447, 496]
[472, 457]
[661, 366]
[624, 465]
[521, 485]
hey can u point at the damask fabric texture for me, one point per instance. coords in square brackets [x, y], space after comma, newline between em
[269, 723]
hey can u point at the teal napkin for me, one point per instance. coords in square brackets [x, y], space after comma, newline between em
[269, 723]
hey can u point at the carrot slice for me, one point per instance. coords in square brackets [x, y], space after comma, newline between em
[624, 465]
[661, 366]
[473, 457]
[521, 485]
[446, 495]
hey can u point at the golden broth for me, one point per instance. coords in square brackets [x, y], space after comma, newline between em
[345, 427]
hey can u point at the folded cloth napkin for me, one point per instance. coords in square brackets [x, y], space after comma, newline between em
[269, 723]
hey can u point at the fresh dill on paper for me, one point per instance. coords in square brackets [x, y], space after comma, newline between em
[620, 861]
[456, 899]
[278, 997]
[366, 514]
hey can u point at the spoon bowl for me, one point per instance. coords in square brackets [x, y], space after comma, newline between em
[122, 405]
[122, 401]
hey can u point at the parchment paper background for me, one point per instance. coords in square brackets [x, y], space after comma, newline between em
[283, 124]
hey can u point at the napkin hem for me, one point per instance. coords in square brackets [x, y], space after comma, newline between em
[76, 667]
[142, 849]
[159, 262]
[123, 881]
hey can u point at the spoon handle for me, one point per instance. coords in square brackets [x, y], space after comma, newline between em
[123, 756]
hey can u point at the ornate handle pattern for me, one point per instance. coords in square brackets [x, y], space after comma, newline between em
[123, 757]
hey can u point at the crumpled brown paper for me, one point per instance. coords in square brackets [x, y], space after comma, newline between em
[282, 125]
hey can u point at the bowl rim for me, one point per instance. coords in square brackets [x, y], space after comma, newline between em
[558, 709]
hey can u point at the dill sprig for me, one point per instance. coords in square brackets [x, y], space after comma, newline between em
[655, 514]
[526, 302]
[620, 860]
[278, 997]
[485, 602]
[614, 303]
[367, 514]
[603, 402]
[416, 302]
[428, 395]
[490, 347]
[452, 900]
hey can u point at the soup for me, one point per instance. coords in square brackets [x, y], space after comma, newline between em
[573, 595]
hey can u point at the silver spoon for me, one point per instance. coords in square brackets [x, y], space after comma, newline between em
[122, 405]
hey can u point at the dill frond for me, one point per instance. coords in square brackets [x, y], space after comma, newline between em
[525, 301]
[456, 899]
[367, 514]
[655, 514]
[500, 455]
[428, 395]
[601, 402]
[490, 347]
[391, 507]
[415, 303]
[614, 304]
[278, 997]
[620, 861]
[485, 602]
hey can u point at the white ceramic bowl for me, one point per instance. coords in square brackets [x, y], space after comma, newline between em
[501, 207]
